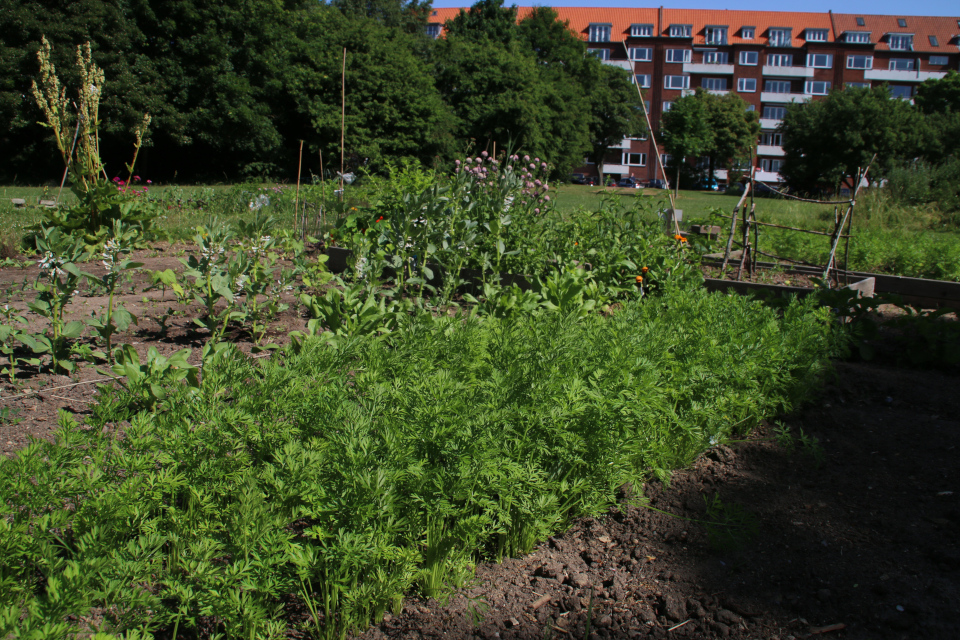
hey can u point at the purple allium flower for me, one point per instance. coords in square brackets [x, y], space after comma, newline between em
[536, 159]
[538, 183]
[544, 166]
[478, 160]
[469, 160]
[546, 198]
[536, 210]
[484, 154]
[456, 162]
[526, 158]
[546, 187]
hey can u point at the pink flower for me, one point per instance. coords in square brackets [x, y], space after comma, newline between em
[484, 154]
[546, 198]
[536, 159]
[469, 160]
[136, 178]
[536, 210]
[149, 181]
[526, 158]
[456, 162]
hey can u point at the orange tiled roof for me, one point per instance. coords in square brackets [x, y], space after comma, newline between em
[580, 18]
[944, 29]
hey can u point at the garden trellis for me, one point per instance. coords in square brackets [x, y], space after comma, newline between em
[749, 251]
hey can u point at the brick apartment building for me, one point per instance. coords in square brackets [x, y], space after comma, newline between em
[768, 58]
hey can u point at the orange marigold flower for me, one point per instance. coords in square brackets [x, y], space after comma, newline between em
[678, 237]
[645, 269]
[639, 279]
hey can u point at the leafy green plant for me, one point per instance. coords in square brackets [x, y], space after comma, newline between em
[353, 310]
[56, 284]
[114, 319]
[216, 278]
[149, 383]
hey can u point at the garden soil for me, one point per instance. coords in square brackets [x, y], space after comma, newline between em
[849, 533]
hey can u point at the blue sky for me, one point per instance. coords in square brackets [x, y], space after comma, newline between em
[890, 7]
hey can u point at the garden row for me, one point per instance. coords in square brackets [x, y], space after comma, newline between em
[314, 489]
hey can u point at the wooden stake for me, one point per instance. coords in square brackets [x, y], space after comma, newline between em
[323, 195]
[296, 197]
[343, 113]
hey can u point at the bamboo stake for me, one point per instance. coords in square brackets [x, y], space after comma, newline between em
[733, 225]
[323, 196]
[780, 226]
[843, 223]
[343, 113]
[296, 197]
[69, 160]
[656, 148]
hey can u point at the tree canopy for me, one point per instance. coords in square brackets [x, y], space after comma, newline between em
[234, 85]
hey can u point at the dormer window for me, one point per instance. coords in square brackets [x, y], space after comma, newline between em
[901, 42]
[748, 33]
[599, 33]
[433, 30]
[815, 35]
[857, 37]
[681, 30]
[641, 30]
[780, 37]
[716, 35]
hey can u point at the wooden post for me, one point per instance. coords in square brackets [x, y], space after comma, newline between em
[733, 227]
[843, 223]
[323, 195]
[343, 113]
[296, 197]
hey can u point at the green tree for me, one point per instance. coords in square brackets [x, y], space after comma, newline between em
[734, 129]
[939, 96]
[686, 130]
[827, 140]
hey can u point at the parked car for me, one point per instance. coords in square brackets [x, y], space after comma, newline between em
[578, 178]
[629, 182]
[710, 184]
[657, 184]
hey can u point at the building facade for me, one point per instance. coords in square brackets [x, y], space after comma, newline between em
[768, 58]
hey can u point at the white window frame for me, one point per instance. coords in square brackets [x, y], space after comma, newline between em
[641, 31]
[857, 37]
[778, 59]
[939, 60]
[748, 33]
[817, 87]
[434, 30]
[857, 85]
[645, 82]
[745, 58]
[815, 35]
[716, 57]
[820, 60]
[665, 159]
[714, 84]
[780, 37]
[626, 159]
[852, 62]
[900, 42]
[747, 85]
[681, 30]
[780, 112]
[603, 54]
[685, 54]
[684, 81]
[902, 64]
[599, 32]
[901, 86]
[645, 56]
[771, 139]
[716, 35]
[666, 106]
[770, 165]
[774, 86]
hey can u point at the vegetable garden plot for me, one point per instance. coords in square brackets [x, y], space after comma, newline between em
[340, 475]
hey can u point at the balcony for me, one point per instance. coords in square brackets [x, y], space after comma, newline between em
[710, 69]
[769, 124]
[767, 150]
[788, 72]
[624, 144]
[621, 169]
[902, 76]
[718, 92]
[766, 96]
[767, 176]
[623, 64]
